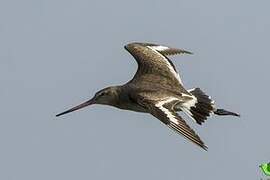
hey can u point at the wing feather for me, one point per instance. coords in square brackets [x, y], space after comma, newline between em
[163, 110]
[178, 124]
[152, 61]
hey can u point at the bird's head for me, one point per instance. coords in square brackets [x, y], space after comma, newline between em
[106, 96]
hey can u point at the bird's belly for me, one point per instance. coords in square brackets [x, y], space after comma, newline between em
[133, 107]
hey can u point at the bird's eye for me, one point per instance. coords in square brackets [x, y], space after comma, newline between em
[102, 94]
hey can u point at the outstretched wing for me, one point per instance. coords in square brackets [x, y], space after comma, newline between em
[167, 51]
[153, 63]
[163, 111]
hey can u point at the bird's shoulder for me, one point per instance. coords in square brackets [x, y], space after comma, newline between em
[151, 94]
[152, 82]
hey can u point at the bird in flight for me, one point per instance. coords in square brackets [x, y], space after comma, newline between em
[156, 88]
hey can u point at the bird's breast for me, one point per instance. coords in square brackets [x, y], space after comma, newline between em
[132, 107]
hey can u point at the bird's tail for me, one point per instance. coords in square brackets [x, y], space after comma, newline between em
[203, 106]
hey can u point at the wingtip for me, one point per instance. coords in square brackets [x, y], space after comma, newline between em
[236, 114]
[188, 52]
[224, 112]
[205, 148]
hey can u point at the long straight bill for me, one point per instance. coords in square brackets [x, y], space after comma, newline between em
[87, 103]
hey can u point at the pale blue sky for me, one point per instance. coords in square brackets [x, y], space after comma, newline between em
[57, 53]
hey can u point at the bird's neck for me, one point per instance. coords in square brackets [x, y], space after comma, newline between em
[116, 96]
